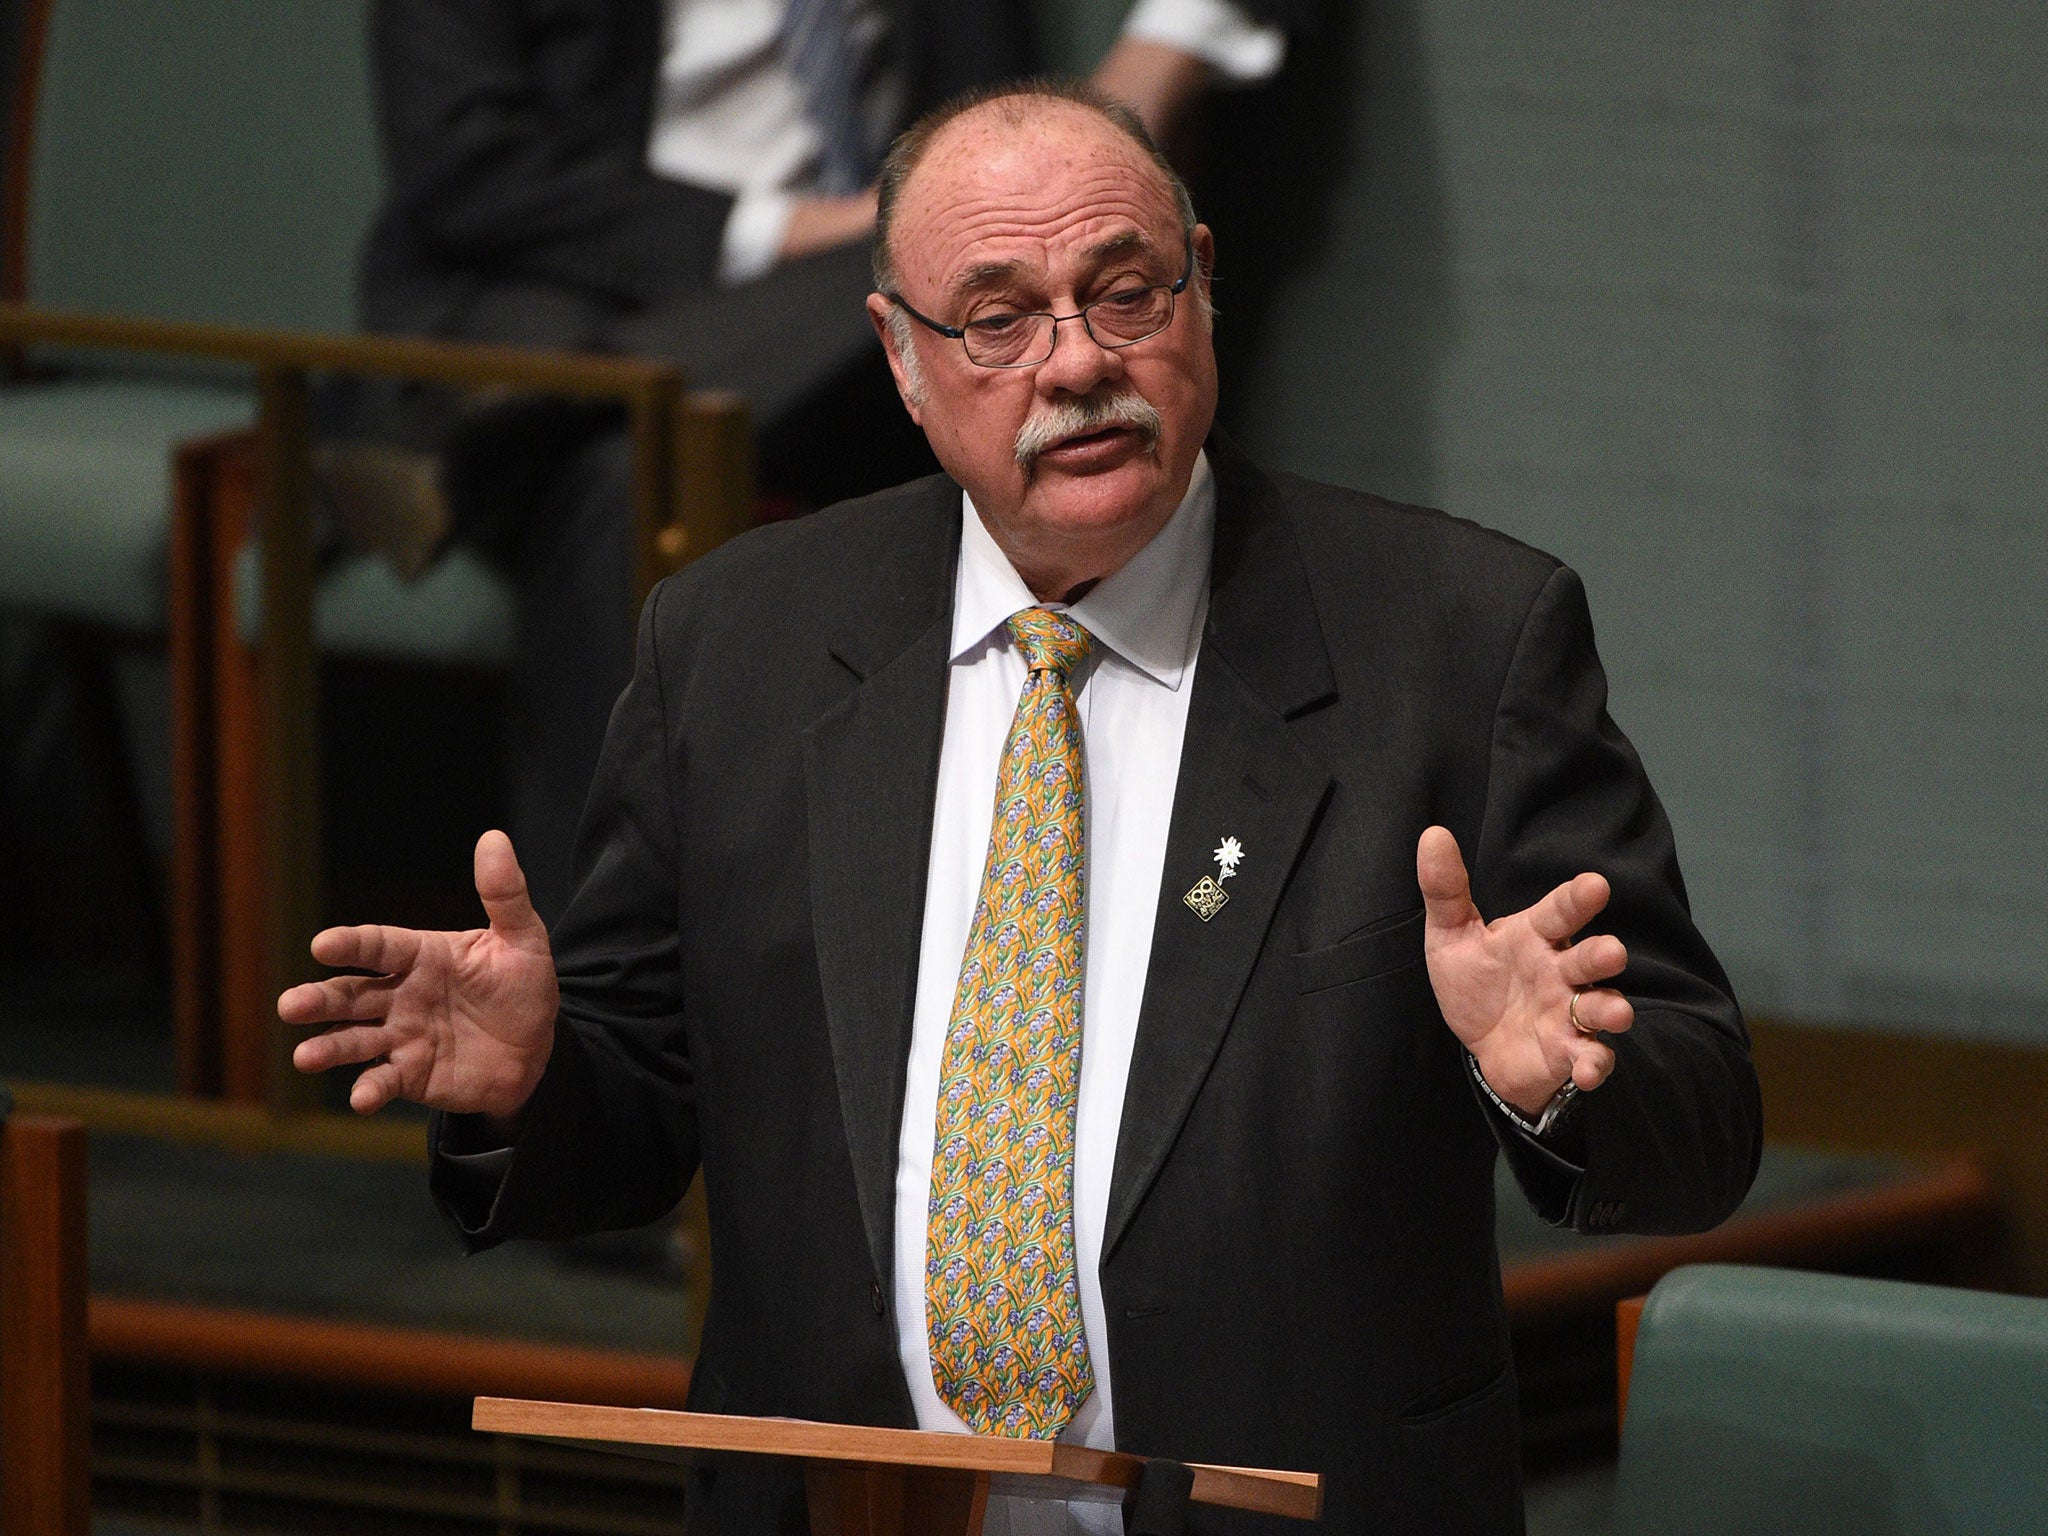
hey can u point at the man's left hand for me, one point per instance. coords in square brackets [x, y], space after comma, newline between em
[1507, 987]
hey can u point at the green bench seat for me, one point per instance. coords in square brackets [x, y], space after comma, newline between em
[459, 613]
[1777, 1403]
[85, 492]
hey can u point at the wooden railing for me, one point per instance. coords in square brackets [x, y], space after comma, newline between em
[692, 489]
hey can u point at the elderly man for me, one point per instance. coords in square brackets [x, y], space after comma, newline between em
[1036, 897]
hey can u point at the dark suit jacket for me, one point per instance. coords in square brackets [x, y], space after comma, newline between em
[1299, 1266]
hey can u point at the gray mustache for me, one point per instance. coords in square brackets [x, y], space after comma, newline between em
[1089, 413]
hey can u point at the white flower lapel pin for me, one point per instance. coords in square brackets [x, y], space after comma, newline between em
[1229, 854]
[1208, 896]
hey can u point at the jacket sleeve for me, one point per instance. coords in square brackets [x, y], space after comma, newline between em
[1670, 1142]
[489, 163]
[610, 1138]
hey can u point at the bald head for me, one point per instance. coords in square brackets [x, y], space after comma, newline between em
[1012, 111]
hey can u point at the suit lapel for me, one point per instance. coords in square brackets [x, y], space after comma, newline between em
[871, 774]
[1241, 775]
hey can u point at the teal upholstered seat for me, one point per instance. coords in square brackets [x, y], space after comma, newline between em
[192, 160]
[85, 492]
[1774, 1402]
[458, 614]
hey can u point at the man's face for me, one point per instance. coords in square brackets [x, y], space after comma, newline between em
[1052, 214]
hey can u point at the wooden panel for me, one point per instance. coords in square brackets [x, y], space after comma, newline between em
[941, 1503]
[193, 1450]
[229, 1341]
[1863, 1090]
[887, 1501]
[1953, 1199]
[43, 1372]
[1628, 1317]
[868, 1501]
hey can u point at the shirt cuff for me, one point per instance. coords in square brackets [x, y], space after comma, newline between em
[490, 1165]
[472, 1153]
[1219, 33]
[753, 235]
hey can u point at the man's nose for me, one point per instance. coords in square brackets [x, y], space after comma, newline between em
[1078, 363]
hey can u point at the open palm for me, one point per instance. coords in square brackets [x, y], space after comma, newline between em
[1509, 988]
[456, 1021]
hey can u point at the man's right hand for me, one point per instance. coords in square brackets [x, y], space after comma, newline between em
[457, 1021]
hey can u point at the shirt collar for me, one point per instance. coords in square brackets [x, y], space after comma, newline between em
[1150, 612]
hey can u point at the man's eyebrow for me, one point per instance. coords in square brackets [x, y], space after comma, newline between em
[987, 274]
[1130, 241]
[994, 274]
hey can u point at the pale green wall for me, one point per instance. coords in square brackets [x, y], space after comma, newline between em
[1740, 309]
[203, 160]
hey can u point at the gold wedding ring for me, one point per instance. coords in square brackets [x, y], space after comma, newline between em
[1572, 1013]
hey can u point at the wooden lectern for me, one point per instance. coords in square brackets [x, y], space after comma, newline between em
[890, 1482]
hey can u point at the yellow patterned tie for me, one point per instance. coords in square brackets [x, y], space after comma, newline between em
[1002, 1302]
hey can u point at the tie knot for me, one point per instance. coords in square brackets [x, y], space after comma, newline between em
[1050, 641]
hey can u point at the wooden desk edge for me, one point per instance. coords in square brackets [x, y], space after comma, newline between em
[803, 1438]
[1297, 1495]
[1294, 1495]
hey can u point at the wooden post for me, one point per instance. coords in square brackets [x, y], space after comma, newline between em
[44, 1382]
[195, 597]
[652, 417]
[1628, 1318]
[240, 1034]
[714, 478]
[291, 723]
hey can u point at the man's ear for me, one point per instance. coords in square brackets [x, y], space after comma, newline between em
[1205, 259]
[878, 316]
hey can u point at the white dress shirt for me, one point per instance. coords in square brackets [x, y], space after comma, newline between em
[728, 115]
[1132, 697]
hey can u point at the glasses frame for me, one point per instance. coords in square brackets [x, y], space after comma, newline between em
[959, 333]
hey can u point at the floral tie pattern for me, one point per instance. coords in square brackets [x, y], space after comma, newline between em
[1002, 1302]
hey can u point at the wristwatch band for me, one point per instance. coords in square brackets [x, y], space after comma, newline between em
[1544, 1123]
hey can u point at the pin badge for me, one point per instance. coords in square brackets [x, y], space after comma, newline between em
[1208, 896]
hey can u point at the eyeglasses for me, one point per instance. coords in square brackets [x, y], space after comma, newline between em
[1119, 319]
